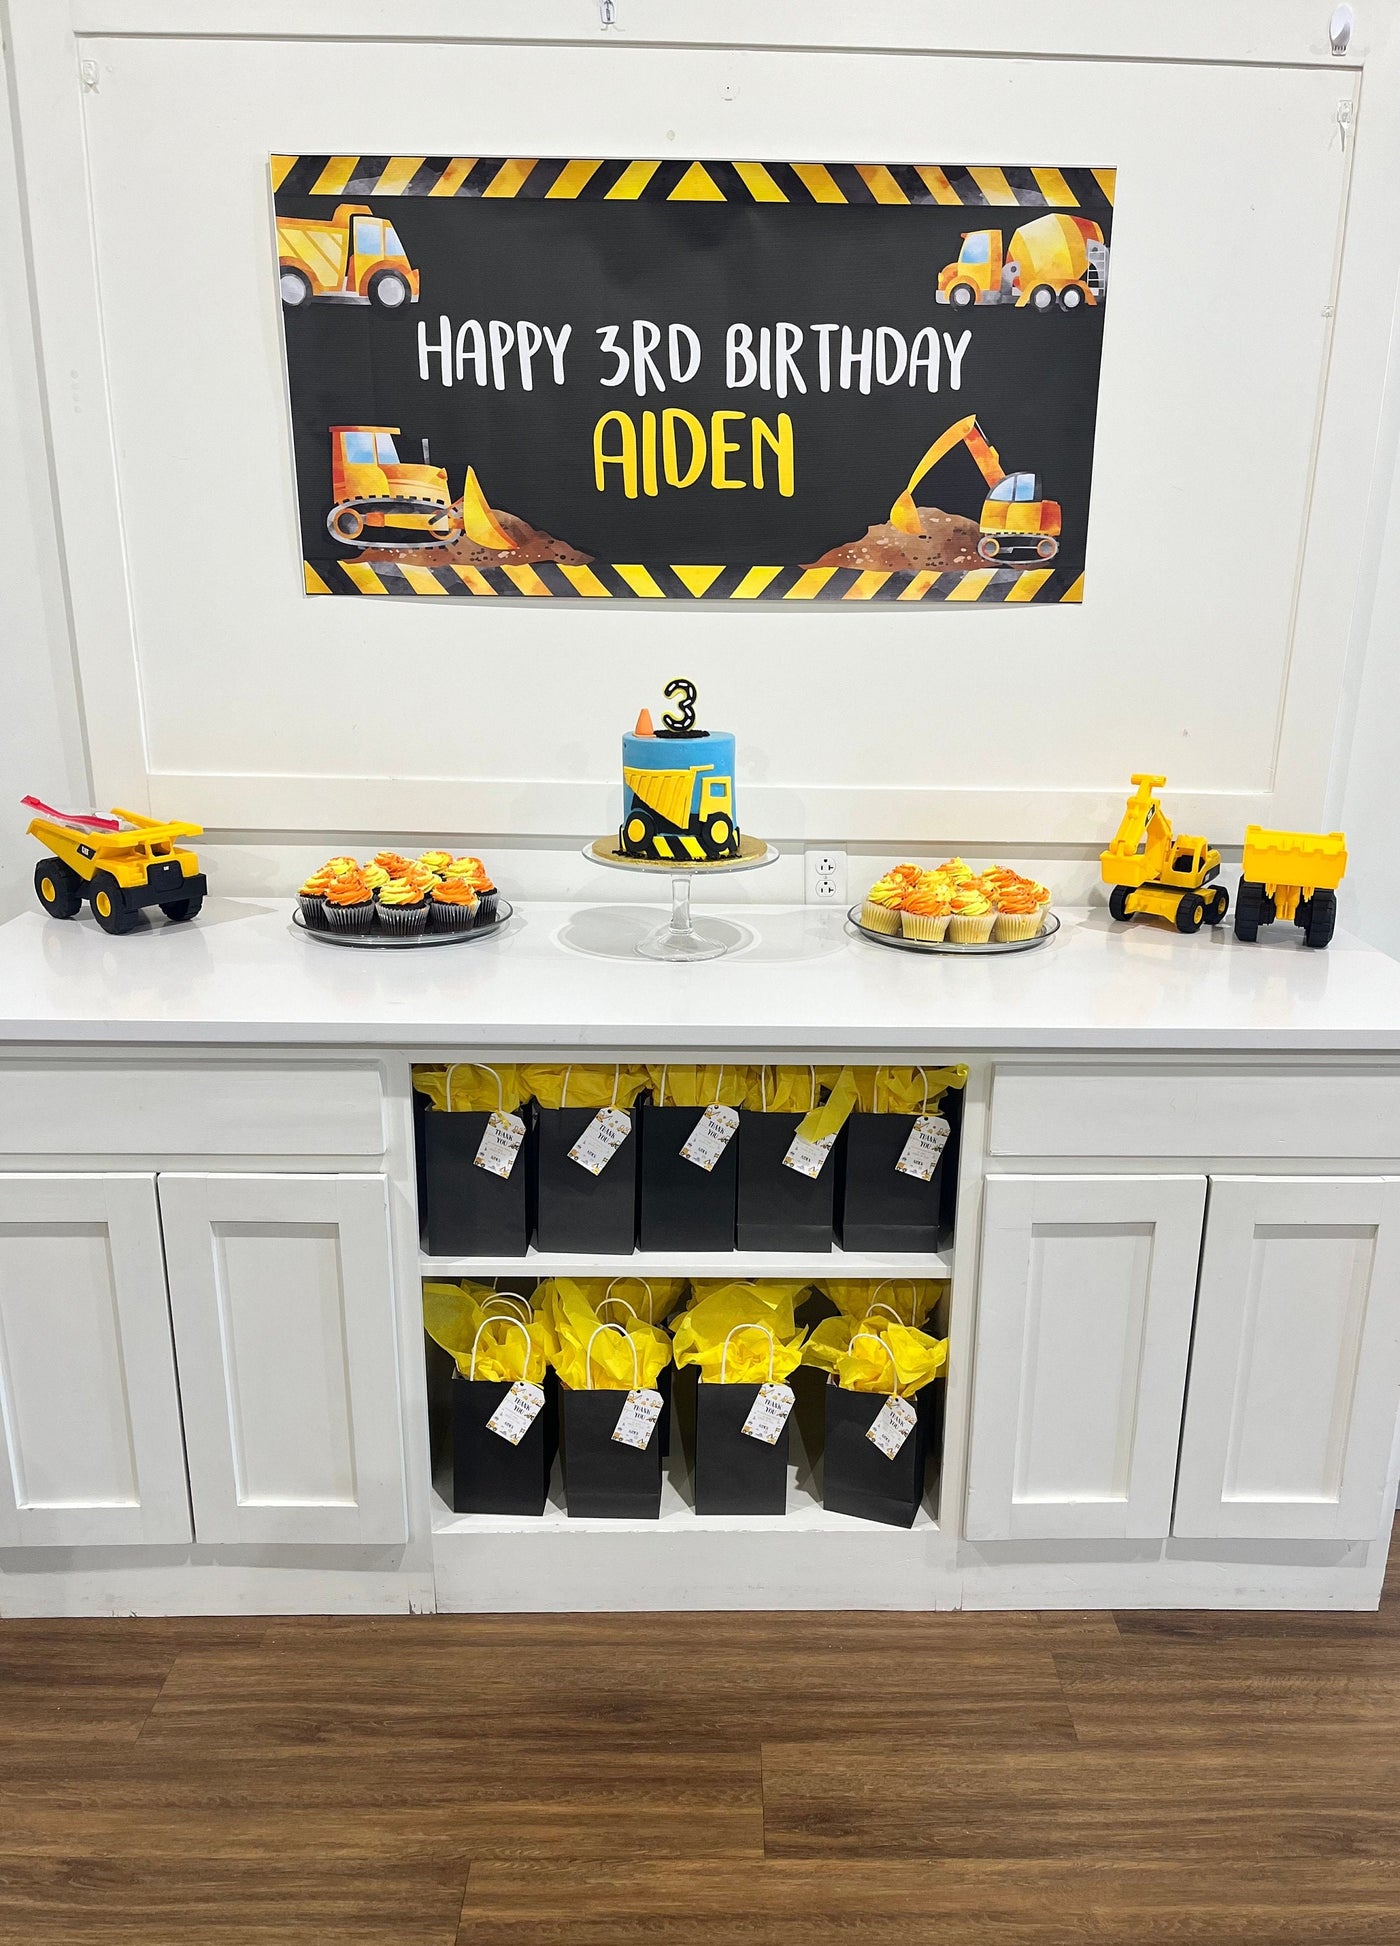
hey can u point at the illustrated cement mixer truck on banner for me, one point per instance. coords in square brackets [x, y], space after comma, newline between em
[1055, 260]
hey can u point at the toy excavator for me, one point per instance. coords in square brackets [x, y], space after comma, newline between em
[1153, 871]
[1017, 523]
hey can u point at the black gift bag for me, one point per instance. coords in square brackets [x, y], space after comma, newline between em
[879, 1208]
[735, 1473]
[778, 1208]
[603, 1478]
[680, 1205]
[468, 1211]
[613, 1299]
[489, 1475]
[857, 1477]
[574, 1209]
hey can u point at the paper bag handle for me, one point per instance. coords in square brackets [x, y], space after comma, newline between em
[892, 1284]
[483, 1069]
[529, 1342]
[507, 1297]
[588, 1355]
[634, 1279]
[772, 1348]
[870, 1337]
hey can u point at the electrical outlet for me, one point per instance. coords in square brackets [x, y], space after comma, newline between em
[826, 875]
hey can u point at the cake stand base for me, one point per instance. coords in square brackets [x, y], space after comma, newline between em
[684, 937]
[681, 937]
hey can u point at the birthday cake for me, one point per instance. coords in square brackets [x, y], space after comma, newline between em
[678, 787]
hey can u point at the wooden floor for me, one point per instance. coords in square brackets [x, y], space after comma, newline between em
[885, 1780]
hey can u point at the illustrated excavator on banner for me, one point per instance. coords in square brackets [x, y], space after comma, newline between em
[1017, 523]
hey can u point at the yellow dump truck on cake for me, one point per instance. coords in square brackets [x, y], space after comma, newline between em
[678, 787]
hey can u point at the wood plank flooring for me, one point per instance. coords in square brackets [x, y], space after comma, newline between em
[696, 1780]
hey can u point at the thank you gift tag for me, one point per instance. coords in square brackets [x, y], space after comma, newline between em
[601, 1140]
[807, 1157]
[927, 1140]
[769, 1413]
[500, 1143]
[892, 1425]
[637, 1420]
[517, 1412]
[710, 1137]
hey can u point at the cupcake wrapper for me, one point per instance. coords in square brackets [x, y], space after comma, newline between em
[879, 918]
[924, 925]
[450, 918]
[486, 908]
[313, 909]
[1018, 925]
[965, 929]
[351, 918]
[402, 918]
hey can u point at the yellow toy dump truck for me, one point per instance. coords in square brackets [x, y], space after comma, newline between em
[1290, 875]
[121, 865]
[1152, 871]
[353, 257]
[1054, 260]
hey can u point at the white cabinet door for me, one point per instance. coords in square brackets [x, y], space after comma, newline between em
[89, 1411]
[1083, 1330]
[282, 1292]
[1295, 1369]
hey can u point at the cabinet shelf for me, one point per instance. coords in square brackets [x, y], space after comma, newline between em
[814, 1264]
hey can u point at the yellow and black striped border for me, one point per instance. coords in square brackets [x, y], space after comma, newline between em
[617, 580]
[542, 179]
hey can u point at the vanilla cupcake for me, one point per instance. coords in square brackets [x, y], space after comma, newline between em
[883, 903]
[1019, 912]
[926, 910]
[402, 907]
[973, 916]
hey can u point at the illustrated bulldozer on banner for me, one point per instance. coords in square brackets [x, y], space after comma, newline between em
[1017, 523]
[375, 494]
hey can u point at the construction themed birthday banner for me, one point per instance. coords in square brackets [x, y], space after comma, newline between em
[692, 380]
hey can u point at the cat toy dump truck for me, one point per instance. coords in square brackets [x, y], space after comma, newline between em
[121, 865]
[1290, 875]
[1153, 871]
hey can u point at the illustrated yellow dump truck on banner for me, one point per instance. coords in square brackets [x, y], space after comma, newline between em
[354, 257]
[1056, 259]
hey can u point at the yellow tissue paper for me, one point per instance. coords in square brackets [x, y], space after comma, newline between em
[472, 1088]
[875, 1354]
[685, 1084]
[754, 1322]
[906, 1300]
[651, 1298]
[786, 1090]
[593, 1352]
[880, 1091]
[510, 1341]
[584, 1086]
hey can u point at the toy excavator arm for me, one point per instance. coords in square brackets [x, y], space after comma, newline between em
[904, 515]
[1141, 814]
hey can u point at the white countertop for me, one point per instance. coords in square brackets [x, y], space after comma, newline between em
[565, 976]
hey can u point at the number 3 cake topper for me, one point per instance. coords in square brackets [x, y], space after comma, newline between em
[685, 720]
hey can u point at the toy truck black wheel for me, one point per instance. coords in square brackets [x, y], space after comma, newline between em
[108, 907]
[1043, 298]
[1191, 912]
[1253, 909]
[1217, 906]
[716, 834]
[59, 887]
[1118, 902]
[962, 297]
[178, 910]
[1322, 917]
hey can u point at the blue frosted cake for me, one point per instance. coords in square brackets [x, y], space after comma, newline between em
[678, 787]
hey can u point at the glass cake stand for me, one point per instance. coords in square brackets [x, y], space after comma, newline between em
[683, 937]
